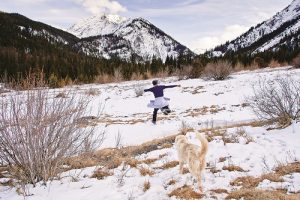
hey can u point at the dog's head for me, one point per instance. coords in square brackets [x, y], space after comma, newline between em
[180, 139]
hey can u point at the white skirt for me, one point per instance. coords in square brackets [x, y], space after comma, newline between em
[159, 102]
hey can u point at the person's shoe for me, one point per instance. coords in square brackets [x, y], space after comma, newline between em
[166, 111]
[154, 122]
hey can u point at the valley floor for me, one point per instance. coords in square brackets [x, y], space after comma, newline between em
[239, 145]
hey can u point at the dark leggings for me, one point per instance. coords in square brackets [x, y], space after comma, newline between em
[155, 112]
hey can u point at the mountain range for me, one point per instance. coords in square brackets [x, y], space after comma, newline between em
[111, 35]
[281, 30]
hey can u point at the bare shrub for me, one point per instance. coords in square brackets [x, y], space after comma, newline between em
[296, 62]
[139, 90]
[260, 62]
[219, 70]
[118, 77]
[185, 72]
[92, 92]
[144, 171]
[101, 174]
[146, 186]
[37, 132]
[277, 100]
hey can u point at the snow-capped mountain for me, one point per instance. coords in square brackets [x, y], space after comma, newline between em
[108, 36]
[96, 25]
[283, 29]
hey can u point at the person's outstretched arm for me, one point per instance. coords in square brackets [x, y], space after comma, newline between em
[148, 90]
[171, 86]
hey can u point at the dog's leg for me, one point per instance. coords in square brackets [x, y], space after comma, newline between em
[199, 182]
[181, 167]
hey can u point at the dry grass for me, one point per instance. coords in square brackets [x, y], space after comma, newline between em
[232, 168]
[101, 174]
[222, 159]
[214, 170]
[185, 170]
[144, 171]
[166, 146]
[168, 165]
[92, 92]
[149, 161]
[288, 169]
[204, 110]
[252, 182]
[185, 192]
[230, 138]
[146, 186]
[171, 182]
[131, 162]
[254, 194]
[112, 157]
[219, 191]
[246, 182]
[296, 62]
[61, 95]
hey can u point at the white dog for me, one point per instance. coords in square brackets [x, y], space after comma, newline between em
[192, 155]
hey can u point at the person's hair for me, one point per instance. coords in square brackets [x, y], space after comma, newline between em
[155, 82]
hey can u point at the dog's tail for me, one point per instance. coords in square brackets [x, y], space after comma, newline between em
[204, 145]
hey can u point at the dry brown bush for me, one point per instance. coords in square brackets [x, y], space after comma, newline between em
[144, 171]
[149, 161]
[168, 165]
[219, 70]
[101, 174]
[146, 186]
[260, 62]
[92, 92]
[185, 192]
[232, 168]
[277, 100]
[296, 62]
[171, 182]
[219, 191]
[38, 132]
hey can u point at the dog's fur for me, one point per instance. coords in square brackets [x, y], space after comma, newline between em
[192, 155]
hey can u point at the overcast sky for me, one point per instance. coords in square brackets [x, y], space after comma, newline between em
[198, 24]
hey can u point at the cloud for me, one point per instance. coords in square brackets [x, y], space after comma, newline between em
[102, 6]
[207, 42]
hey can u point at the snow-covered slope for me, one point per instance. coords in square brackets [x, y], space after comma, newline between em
[281, 29]
[96, 25]
[112, 35]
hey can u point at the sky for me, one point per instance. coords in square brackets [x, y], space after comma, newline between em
[198, 24]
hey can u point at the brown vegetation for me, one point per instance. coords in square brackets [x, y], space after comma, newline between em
[168, 165]
[186, 192]
[146, 186]
[219, 70]
[255, 194]
[144, 171]
[101, 174]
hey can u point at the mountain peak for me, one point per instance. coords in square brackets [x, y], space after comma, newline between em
[101, 24]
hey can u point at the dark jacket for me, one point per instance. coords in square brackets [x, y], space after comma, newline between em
[158, 90]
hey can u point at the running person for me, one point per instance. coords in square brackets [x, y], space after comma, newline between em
[160, 101]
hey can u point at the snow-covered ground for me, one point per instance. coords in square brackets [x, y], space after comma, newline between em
[198, 104]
